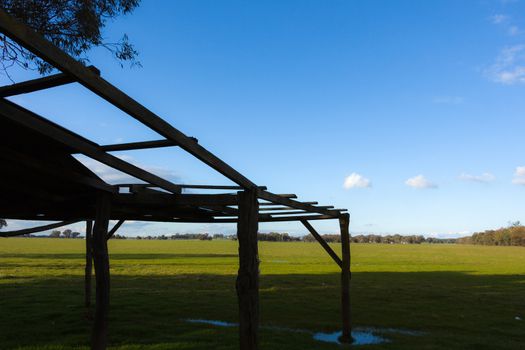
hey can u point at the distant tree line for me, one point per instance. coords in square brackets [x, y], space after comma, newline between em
[280, 237]
[513, 235]
[277, 237]
[399, 239]
[181, 236]
[64, 234]
[388, 239]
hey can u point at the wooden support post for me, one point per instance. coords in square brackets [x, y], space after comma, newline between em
[248, 278]
[89, 266]
[99, 337]
[344, 222]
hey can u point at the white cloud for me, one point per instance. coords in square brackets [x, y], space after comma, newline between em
[499, 18]
[514, 30]
[485, 177]
[355, 180]
[519, 176]
[420, 182]
[509, 67]
[448, 100]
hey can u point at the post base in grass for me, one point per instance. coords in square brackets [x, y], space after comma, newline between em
[346, 339]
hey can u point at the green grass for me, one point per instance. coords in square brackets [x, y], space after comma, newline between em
[461, 297]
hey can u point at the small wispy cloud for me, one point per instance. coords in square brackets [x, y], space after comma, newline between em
[420, 182]
[509, 67]
[499, 18]
[513, 30]
[356, 180]
[519, 176]
[448, 100]
[114, 176]
[485, 177]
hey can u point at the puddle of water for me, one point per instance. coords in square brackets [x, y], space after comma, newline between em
[390, 330]
[361, 335]
[212, 322]
[360, 338]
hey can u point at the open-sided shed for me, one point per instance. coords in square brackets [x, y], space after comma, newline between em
[42, 180]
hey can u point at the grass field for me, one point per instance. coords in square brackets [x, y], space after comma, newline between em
[460, 297]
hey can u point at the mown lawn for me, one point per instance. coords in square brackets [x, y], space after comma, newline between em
[460, 297]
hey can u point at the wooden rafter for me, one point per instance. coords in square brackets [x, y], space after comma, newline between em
[34, 122]
[40, 83]
[138, 145]
[295, 204]
[36, 229]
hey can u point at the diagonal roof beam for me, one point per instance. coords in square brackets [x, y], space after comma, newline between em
[41, 47]
[34, 122]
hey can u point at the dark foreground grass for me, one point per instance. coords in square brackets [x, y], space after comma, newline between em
[460, 297]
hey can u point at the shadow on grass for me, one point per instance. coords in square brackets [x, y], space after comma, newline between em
[456, 310]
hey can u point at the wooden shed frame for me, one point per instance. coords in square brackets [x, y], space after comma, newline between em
[157, 199]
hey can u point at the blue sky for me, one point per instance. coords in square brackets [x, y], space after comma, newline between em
[408, 113]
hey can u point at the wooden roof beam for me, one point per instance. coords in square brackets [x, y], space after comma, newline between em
[138, 145]
[36, 229]
[261, 219]
[270, 203]
[182, 186]
[295, 204]
[40, 83]
[288, 208]
[44, 49]
[34, 122]
[45, 167]
[198, 200]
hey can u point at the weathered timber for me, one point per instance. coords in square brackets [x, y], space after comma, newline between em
[27, 231]
[293, 212]
[89, 265]
[146, 188]
[115, 228]
[138, 145]
[234, 220]
[270, 203]
[40, 83]
[99, 338]
[34, 122]
[46, 167]
[323, 243]
[247, 285]
[205, 187]
[344, 222]
[295, 204]
[41, 47]
[288, 208]
[166, 199]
